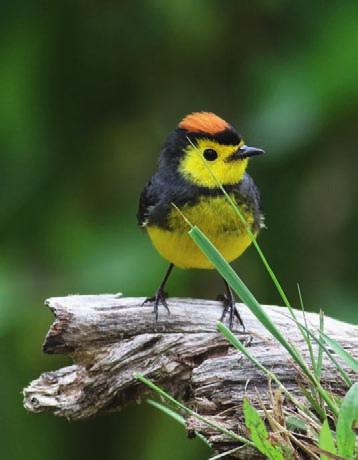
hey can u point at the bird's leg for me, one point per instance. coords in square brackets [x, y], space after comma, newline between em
[160, 296]
[228, 300]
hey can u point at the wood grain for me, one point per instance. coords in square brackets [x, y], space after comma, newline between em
[110, 337]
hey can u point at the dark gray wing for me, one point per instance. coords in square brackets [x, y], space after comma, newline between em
[154, 203]
[147, 201]
[247, 195]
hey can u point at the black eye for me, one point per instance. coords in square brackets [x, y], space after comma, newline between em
[210, 154]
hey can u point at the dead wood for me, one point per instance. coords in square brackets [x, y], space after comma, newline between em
[110, 338]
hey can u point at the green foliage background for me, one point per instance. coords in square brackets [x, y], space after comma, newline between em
[88, 92]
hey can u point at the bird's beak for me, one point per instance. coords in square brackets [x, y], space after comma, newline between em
[245, 152]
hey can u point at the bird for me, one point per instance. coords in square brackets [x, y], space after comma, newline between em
[201, 153]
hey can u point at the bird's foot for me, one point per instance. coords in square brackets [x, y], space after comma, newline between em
[160, 297]
[230, 307]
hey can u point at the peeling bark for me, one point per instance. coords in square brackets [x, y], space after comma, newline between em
[110, 338]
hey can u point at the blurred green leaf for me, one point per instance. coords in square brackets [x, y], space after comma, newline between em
[259, 434]
[326, 440]
[347, 424]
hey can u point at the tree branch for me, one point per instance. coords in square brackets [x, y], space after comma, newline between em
[110, 338]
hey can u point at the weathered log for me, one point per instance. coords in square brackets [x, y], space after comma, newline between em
[110, 338]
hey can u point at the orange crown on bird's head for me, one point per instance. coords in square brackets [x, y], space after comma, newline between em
[203, 122]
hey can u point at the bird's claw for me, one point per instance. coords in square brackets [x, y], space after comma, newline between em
[230, 306]
[160, 297]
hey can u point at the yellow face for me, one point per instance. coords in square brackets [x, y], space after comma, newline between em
[208, 155]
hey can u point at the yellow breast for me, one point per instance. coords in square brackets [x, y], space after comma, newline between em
[216, 218]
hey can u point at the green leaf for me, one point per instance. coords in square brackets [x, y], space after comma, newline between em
[320, 348]
[326, 440]
[341, 352]
[347, 420]
[259, 434]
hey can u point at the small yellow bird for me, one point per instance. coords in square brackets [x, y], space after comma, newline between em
[184, 179]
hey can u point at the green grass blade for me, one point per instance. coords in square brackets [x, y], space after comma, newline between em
[227, 272]
[305, 335]
[167, 411]
[326, 440]
[265, 262]
[181, 406]
[341, 352]
[259, 434]
[347, 420]
[314, 403]
[235, 342]
[320, 348]
[175, 416]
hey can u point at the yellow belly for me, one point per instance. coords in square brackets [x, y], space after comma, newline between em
[216, 218]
